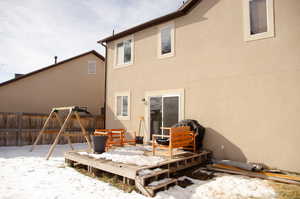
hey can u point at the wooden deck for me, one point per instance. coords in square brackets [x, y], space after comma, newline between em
[181, 160]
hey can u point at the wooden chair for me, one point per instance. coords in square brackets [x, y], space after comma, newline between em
[179, 137]
[116, 137]
[130, 141]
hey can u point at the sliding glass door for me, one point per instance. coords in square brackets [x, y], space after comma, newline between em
[164, 112]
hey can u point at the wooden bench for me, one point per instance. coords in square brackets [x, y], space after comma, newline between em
[116, 137]
[179, 137]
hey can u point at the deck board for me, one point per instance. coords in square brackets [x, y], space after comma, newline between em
[121, 169]
[130, 170]
[181, 160]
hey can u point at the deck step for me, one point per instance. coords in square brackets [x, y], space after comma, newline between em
[164, 185]
[155, 175]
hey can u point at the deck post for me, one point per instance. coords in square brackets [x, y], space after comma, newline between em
[153, 147]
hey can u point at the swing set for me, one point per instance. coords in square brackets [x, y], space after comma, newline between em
[54, 114]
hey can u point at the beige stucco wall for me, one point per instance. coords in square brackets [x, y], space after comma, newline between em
[247, 94]
[68, 84]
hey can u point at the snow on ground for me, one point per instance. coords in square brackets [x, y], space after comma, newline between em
[226, 187]
[129, 155]
[25, 174]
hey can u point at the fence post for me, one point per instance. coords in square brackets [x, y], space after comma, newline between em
[19, 131]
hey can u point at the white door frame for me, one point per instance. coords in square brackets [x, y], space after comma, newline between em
[164, 93]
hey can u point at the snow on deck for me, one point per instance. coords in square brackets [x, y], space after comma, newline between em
[129, 155]
[25, 174]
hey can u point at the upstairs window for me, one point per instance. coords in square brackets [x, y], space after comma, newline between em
[166, 45]
[92, 67]
[258, 19]
[166, 41]
[124, 52]
[122, 105]
[258, 16]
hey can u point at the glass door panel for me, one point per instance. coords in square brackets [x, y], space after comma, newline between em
[170, 112]
[164, 112]
[155, 115]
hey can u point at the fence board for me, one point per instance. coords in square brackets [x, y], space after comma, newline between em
[18, 129]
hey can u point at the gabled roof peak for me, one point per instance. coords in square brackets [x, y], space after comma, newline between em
[53, 65]
[182, 10]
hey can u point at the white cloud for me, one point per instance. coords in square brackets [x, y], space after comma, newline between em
[32, 32]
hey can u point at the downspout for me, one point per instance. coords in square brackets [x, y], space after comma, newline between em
[105, 82]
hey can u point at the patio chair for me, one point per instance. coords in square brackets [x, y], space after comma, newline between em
[179, 137]
[116, 137]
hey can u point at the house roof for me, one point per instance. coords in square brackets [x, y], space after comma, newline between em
[183, 10]
[52, 66]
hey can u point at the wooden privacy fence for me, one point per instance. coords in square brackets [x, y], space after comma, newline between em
[18, 129]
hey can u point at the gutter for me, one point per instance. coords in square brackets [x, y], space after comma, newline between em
[105, 82]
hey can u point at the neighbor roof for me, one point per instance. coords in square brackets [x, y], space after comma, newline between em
[52, 66]
[183, 10]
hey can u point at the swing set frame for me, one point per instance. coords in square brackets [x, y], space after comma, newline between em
[54, 114]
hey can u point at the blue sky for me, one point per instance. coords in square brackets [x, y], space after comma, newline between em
[32, 32]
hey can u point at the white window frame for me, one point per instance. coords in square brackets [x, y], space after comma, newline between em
[92, 62]
[124, 93]
[270, 21]
[160, 28]
[116, 64]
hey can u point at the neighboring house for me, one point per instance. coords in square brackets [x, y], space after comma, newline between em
[232, 65]
[78, 81]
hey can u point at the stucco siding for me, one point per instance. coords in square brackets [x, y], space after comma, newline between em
[247, 94]
[68, 84]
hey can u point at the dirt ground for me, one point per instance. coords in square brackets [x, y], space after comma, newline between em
[286, 191]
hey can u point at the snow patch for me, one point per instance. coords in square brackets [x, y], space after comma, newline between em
[145, 172]
[225, 187]
[155, 183]
[134, 148]
[128, 155]
[131, 158]
[238, 186]
[28, 175]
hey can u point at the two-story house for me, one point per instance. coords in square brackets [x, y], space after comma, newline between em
[233, 65]
[77, 81]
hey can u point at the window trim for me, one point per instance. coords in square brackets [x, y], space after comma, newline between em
[94, 62]
[116, 65]
[247, 25]
[124, 93]
[160, 28]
